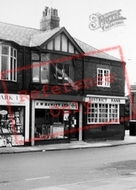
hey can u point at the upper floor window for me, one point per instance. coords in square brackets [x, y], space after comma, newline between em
[40, 68]
[45, 70]
[8, 63]
[103, 77]
[62, 73]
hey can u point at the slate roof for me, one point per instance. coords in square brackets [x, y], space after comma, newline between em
[41, 37]
[89, 51]
[31, 37]
[19, 34]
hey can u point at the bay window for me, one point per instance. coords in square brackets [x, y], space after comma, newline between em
[8, 63]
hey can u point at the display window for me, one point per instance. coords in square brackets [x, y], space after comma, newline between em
[51, 124]
[12, 125]
[103, 113]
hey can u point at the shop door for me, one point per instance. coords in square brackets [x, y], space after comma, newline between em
[74, 129]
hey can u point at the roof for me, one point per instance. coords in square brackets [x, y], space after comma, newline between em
[93, 52]
[19, 34]
[31, 37]
[39, 38]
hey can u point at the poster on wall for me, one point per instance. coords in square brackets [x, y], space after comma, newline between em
[66, 115]
[58, 131]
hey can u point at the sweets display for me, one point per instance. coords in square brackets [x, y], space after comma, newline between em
[10, 126]
[10, 123]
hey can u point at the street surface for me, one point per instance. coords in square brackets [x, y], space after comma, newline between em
[82, 169]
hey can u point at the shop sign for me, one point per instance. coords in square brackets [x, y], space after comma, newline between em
[11, 99]
[56, 105]
[105, 100]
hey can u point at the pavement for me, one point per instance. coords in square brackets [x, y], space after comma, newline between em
[69, 146]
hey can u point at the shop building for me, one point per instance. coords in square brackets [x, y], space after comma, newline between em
[14, 114]
[105, 99]
[62, 80]
[14, 120]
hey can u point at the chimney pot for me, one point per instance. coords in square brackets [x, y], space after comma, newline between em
[49, 19]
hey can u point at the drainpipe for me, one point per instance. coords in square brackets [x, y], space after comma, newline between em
[81, 117]
[24, 64]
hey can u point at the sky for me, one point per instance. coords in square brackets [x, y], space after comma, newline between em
[74, 16]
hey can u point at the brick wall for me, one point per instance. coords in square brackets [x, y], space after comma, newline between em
[117, 74]
[103, 133]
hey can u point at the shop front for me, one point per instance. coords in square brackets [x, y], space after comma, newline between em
[104, 118]
[14, 120]
[54, 121]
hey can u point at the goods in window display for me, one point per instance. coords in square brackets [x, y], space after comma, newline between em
[58, 130]
[2, 141]
[11, 128]
[10, 123]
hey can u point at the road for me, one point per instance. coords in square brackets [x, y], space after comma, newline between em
[94, 168]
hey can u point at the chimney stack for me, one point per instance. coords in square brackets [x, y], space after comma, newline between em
[50, 19]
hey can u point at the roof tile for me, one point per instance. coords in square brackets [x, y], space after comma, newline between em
[31, 37]
[89, 51]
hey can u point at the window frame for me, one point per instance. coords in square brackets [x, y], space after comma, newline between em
[63, 76]
[37, 59]
[105, 81]
[11, 65]
[104, 120]
[39, 63]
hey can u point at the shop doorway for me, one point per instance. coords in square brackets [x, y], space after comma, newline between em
[74, 127]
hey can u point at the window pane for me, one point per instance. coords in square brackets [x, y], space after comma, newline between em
[45, 73]
[45, 67]
[107, 78]
[93, 113]
[53, 76]
[35, 71]
[103, 112]
[35, 56]
[12, 66]
[15, 53]
[66, 72]
[5, 50]
[4, 67]
[59, 72]
[113, 113]
[11, 51]
[99, 77]
[45, 57]
[14, 71]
